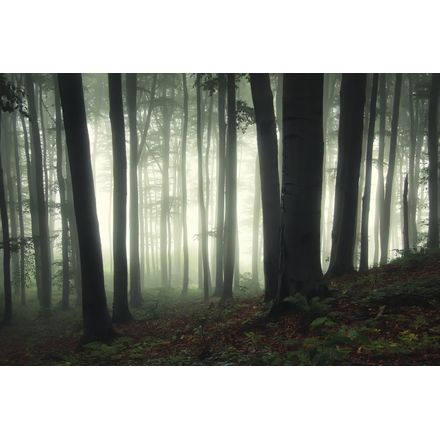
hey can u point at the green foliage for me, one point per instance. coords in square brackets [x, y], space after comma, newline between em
[308, 308]
[245, 116]
[12, 97]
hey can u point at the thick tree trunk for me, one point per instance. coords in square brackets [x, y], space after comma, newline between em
[347, 180]
[63, 203]
[135, 276]
[231, 191]
[385, 218]
[300, 264]
[363, 264]
[7, 312]
[97, 323]
[270, 188]
[220, 220]
[433, 161]
[121, 312]
[185, 279]
[45, 295]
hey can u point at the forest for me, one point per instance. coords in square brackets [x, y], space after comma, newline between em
[219, 219]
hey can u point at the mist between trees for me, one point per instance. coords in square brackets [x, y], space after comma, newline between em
[111, 185]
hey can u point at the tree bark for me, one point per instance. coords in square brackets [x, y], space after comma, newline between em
[385, 218]
[220, 220]
[433, 161]
[256, 227]
[348, 169]
[121, 312]
[97, 323]
[231, 191]
[185, 279]
[135, 277]
[270, 187]
[45, 295]
[363, 264]
[303, 151]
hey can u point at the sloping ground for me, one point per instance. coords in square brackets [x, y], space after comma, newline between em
[386, 316]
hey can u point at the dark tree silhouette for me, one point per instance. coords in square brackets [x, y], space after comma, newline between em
[303, 150]
[433, 161]
[231, 191]
[270, 188]
[121, 312]
[97, 323]
[184, 190]
[351, 123]
[363, 264]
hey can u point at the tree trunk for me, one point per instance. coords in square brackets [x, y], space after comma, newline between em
[270, 187]
[363, 265]
[348, 169]
[7, 312]
[20, 215]
[412, 193]
[385, 218]
[300, 264]
[220, 220]
[63, 204]
[184, 194]
[405, 231]
[135, 277]
[97, 323]
[45, 295]
[433, 161]
[121, 312]
[256, 227]
[203, 232]
[231, 191]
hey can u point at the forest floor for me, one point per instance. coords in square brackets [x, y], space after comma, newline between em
[386, 316]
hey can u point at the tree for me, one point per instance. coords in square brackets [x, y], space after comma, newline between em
[231, 191]
[7, 313]
[121, 312]
[203, 233]
[386, 211]
[63, 199]
[220, 219]
[45, 285]
[97, 323]
[184, 191]
[270, 188]
[303, 151]
[347, 180]
[363, 265]
[135, 277]
[433, 161]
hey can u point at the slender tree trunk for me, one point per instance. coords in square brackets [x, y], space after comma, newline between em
[433, 161]
[121, 312]
[184, 194]
[203, 231]
[220, 220]
[63, 203]
[256, 226]
[20, 215]
[270, 188]
[7, 312]
[405, 231]
[385, 219]
[412, 193]
[44, 240]
[380, 174]
[135, 277]
[363, 265]
[347, 180]
[97, 323]
[300, 264]
[231, 191]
